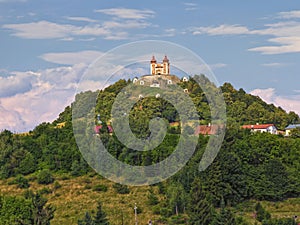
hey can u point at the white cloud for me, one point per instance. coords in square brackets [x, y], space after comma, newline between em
[71, 58]
[275, 64]
[283, 45]
[289, 103]
[217, 66]
[284, 36]
[16, 83]
[129, 24]
[169, 32]
[42, 30]
[51, 91]
[190, 6]
[224, 29]
[111, 30]
[289, 15]
[125, 13]
[81, 19]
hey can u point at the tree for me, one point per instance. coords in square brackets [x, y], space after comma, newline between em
[42, 213]
[28, 164]
[87, 220]
[100, 217]
[45, 177]
[200, 208]
[261, 213]
[225, 217]
[177, 197]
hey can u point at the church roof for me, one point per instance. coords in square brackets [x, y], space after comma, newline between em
[153, 60]
[166, 59]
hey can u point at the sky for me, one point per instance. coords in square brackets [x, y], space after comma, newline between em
[46, 46]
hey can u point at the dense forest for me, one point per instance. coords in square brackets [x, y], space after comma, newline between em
[249, 166]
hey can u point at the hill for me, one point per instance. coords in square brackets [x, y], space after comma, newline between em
[250, 167]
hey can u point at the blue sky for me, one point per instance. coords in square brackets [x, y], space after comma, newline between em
[47, 45]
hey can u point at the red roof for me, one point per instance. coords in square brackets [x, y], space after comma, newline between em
[207, 129]
[99, 127]
[257, 126]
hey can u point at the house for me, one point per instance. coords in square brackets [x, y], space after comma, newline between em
[207, 129]
[262, 128]
[291, 127]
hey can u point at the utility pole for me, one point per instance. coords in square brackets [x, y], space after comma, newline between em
[135, 213]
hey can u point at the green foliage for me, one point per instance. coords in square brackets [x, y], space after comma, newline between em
[87, 220]
[177, 197]
[100, 187]
[199, 208]
[225, 217]
[15, 211]
[42, 213]
[45, 177]
[100, 217]
[152, 198]
[56, 185]
[21, 182]
[248, 166]
[121, 189]
[31, 210]
[261, 213]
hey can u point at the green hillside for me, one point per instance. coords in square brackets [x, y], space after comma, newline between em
[250, 167]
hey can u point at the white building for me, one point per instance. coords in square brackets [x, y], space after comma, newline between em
[269, 128]
[291, 127]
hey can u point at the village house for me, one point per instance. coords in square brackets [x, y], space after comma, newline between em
[207, 129]
[262, 128]
[291, 127]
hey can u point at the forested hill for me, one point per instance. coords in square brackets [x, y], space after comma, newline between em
[242, 108]
[257, 166]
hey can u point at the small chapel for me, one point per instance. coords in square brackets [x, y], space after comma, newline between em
[160, 68]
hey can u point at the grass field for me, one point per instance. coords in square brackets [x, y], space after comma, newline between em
[77, 195]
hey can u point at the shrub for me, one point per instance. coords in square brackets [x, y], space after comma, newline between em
[45, 177]
[121, 189]
[100, 187]
[21, 182]
[56, 185]
[45, 191]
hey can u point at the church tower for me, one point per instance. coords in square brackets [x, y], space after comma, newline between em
[166, 65]
[152, 65]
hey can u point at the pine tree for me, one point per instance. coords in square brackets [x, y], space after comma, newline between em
[100, 217]
[87, 220]
[225, 217]
[200, 208]
[42, 213]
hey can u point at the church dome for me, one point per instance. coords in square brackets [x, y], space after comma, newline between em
[166, 59]
[153, 60]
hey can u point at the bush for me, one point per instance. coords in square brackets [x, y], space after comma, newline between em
[45, 177]
[21, 182]
[100, 187]
[56, 185]
[121, 189]
[45, 191]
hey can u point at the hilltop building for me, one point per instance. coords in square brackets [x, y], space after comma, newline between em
[159, 76]
[160, 68]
